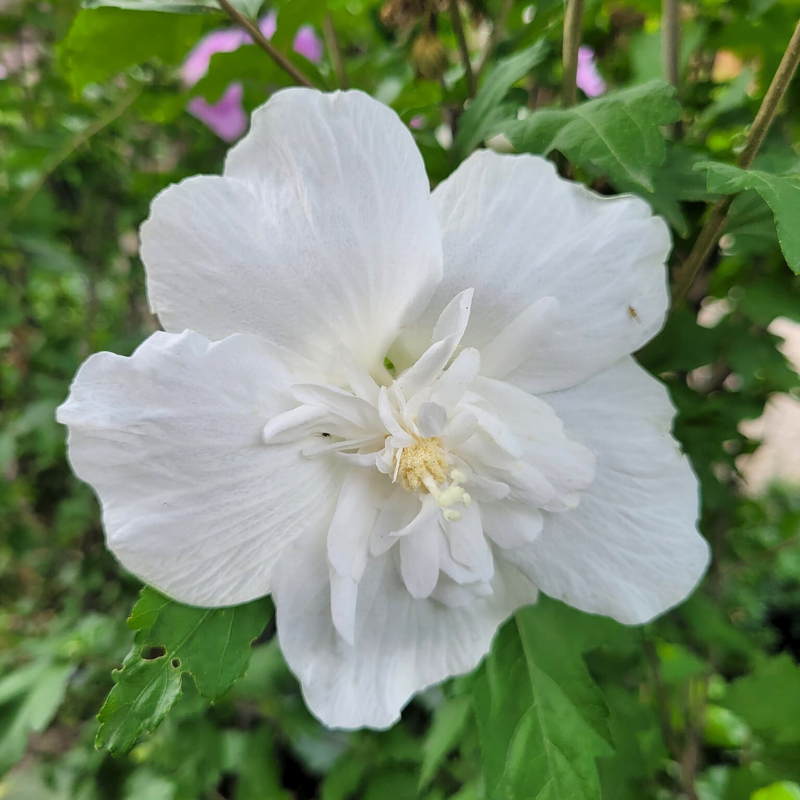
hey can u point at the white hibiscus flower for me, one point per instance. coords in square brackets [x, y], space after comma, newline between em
[400, 413]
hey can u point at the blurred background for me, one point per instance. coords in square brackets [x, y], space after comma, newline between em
[102, 107]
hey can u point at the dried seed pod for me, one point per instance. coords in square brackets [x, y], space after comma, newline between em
[429, 56]
[401, 13]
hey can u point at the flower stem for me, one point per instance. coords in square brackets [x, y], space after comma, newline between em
[335, 51]
[769, 105]
[573, 26]
[247, 24]
[671, 39]
[715, 222]
[463, 49]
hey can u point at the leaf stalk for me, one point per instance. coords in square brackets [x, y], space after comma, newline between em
[715, 222]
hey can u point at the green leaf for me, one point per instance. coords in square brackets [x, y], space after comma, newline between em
[678, 663]
[487, 113]
[213, 645]
[722, 728]
[247, 63]
[250, 66]
[393, 783]
[768, 699]
[449, 721]
[343, 779]
[105, 41]
[674, 181]
[639, 747]
[30, 698]
[647, 61]
[259, 771]
[146, 783]
[780, 192]
[248, 7]
[768, 298]
[784, 790]
[292, 14]
[541, 719]
[618, 135]
[729, 97]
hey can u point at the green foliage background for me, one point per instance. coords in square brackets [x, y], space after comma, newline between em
[704, 704]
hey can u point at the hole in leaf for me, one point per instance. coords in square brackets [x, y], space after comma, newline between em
[154, 652]
[176, 662]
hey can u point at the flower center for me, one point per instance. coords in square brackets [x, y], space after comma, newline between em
[423, 467]
[420, 465]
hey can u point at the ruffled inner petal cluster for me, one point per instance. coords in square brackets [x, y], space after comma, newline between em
[444, 466]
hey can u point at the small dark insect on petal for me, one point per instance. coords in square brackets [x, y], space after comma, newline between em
[633, 314]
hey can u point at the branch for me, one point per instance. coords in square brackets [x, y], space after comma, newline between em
[458, 30]
[247, 24]
[573, 26]
[715, 222]
[335, 51]
[769, 105]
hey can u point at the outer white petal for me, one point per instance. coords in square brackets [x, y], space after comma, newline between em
[193, 501]
[518, 233]
[402, 645]
[630, 549]
[321, 231]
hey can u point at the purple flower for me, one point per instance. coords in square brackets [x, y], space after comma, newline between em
[268, 25]
[416, 122]
[588, 78]
[308, 44]
[196, 64]
[227, 116]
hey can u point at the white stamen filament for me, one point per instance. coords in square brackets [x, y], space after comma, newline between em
[397, 459]
[450, 495]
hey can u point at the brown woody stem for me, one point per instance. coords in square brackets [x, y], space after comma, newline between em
[573, 27]
[247, 24]
[715, 221]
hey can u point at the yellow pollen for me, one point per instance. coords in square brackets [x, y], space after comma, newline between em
[424, 460]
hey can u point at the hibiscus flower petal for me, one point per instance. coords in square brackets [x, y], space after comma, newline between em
[518, 233]
[511, 525]
[630, 549]
[401, 644]
[419, 560]
[193, 501]
[558, 469]
[322, 232]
